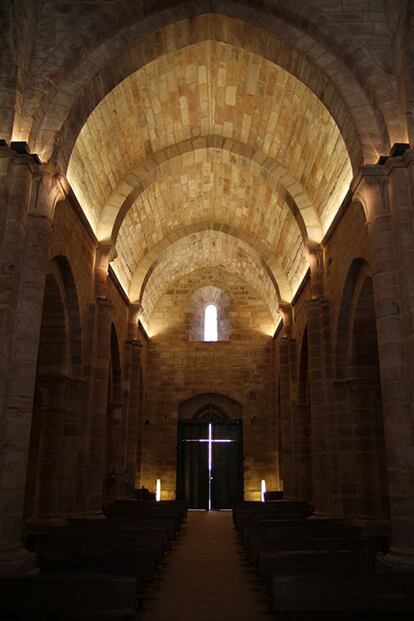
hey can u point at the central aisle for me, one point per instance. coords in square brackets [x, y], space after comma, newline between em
[205, 580]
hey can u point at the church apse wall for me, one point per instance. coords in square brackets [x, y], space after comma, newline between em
[238, 367]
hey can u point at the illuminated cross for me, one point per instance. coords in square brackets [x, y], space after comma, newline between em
[210, 442]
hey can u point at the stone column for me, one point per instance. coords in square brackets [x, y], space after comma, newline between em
[73, 490]
[323, 423]
[115, 465]
[395, 359]
[99, 383]
[366, 452]
[302, 452]
[99, 404]
[17, 191]
[54, 392]
[15, 419]
[133, 364]
[346, 461]
[287, 369]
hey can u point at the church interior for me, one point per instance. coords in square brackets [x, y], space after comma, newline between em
[206, 304]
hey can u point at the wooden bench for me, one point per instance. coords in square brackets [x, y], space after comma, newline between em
[248, 513]
[134, 509]
[298, 529]
[321, 544]
[96, 554]
[377, 594]
[158, 536]
[313, 561]
[67, 597]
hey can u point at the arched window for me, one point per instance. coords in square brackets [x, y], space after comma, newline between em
[210, 323]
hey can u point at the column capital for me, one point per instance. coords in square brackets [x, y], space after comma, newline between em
[105, 253]
[21, 153]
[134, 343]
[19, 157]
[53, 386]
[134, 313]
[285, 310]
[314, 255]
[50, 187]
[371, 189]
[104, 303]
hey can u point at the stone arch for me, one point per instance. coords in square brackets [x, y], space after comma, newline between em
[194, 407]
[115, 367]
[50, 489]
[30, 499]
[210, 413]
[201, 249]
[151, 170]
[358, 266]
[155, 257]
[311, 45]
[357, 370]
[126, 138]
[71, 301]
[54, 344]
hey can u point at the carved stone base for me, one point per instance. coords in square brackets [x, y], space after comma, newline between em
[17, 561]
[92, 515]
[396, 561]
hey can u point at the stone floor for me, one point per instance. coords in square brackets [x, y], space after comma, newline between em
[205, 578]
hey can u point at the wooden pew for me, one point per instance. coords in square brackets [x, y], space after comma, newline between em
[382, 596]
[247, 514]
[129, 520]
[263, 532]
[67, 597]
[327, 545]
[298, 529]
[134, 509]
[131, 543]
[150, 531]
[96, 554]
[293, 562]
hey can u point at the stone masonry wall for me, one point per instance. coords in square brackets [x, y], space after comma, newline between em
[240, 368]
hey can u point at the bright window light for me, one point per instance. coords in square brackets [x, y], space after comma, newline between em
[210, 323]
[158, 491]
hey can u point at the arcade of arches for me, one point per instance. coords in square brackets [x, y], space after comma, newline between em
[159, 157]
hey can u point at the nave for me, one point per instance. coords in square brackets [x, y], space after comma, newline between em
[206, 295]
[206, 578]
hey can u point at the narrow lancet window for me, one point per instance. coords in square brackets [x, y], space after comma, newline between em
[210, 323]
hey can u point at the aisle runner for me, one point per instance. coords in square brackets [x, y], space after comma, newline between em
[205, 579]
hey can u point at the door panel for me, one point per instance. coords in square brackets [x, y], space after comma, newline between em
[227, 486]
[192, 479]
[192, 470]
[196, 475]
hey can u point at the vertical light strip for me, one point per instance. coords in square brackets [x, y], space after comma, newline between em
[210, 462]
[263, 490]
[158, 490]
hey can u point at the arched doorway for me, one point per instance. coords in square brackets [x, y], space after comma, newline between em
[209, 465]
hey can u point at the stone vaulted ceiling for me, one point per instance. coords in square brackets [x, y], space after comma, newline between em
[210, 155]
[197, 134]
